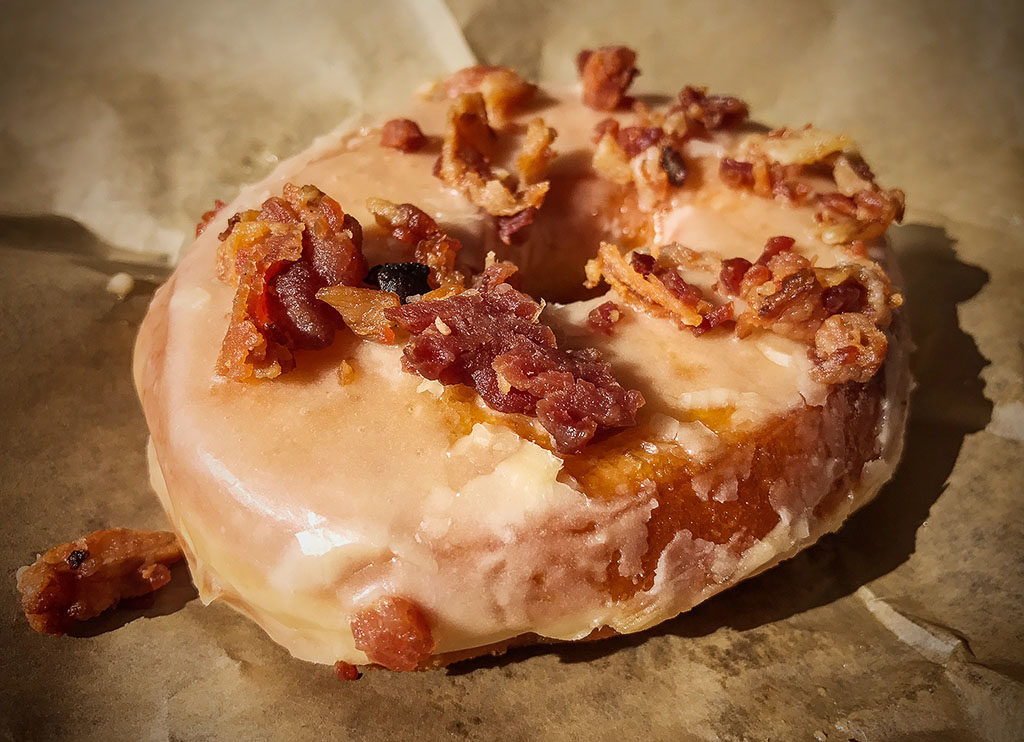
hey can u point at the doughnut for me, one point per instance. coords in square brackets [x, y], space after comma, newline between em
[524, 364]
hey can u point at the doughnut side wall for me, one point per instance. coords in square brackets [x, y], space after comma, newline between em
[299, 501]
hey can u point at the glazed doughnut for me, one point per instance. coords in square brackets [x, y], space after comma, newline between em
[620, 357]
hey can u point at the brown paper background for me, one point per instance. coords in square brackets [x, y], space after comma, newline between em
[120, 122]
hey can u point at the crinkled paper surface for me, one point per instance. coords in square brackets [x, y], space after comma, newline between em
[121, 121]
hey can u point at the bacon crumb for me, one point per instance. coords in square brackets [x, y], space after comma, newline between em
[719, 316]
[394, 633]
[648, 292]
[848, 347]
[464, 163]
[736, 174]
[403, 135]
[280, 256]
[502, 88]
[773, 247]
[733, 270]
[363, 310]
[496, 345]
[434, 247]
[346, 373]
[345, 671]
[209, 216]
[605, 126]
[713, 112]
[606, 73]
[79, 580]
[635, 139]
[509, 225]
[604, 317]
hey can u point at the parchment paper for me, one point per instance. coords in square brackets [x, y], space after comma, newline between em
[121, 121]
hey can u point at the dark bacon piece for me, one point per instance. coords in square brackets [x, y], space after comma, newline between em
[394, 633]
[711, 111]
[605, 126]
[606, 72]
[642, 263]
[635, 139]
[403, 135]
[209, 216]
[848, 296]
[79, 580]
[604, 317]
[736, 174]
[718, 316]
[733, 270]
[490, 340]
[509, 225]
[673, 165]
[773, 247]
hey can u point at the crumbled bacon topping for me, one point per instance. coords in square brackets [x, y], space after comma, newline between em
[848, 347]
[606, 73]
[712, 112]
[394, 633]
[412, 226]
[346, 671]
[209, 216]
[673, 165]
[491, 340]
[509, 225]
[79, 580]
[733, 270]
[604, 317]
[502, 88]
[281, 256]
[662, 292]
[736, 174]
[464, 163]
[364, 311]
[635, 139]
[403, 135]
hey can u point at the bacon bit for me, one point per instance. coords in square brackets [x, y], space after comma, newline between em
[736, 174]
[606, 73]
[863, 216]
[433, 246]
[605, 126]
[673, 165]
[610, 160]
[497, 346]
[733, 270]
[394, 633]
[687, 293]
[535, 154]
[719, 316]
[495, 272]
[502, 88]
[604, 317]
[209, 216]
[363, 310]
[464, 162]
[403, 135]
[509, 225]
[773, 247]
[848, 347]
[281, 255]
[345, 671]
[848, 296]
[79, 580]
[636, 139]
[712, 112]
[642, 263]
[645, 292]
